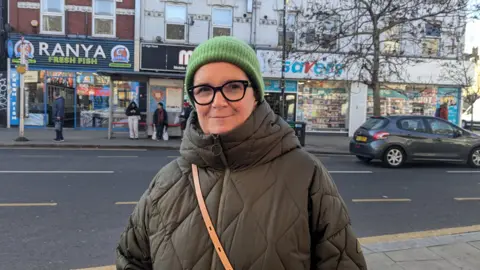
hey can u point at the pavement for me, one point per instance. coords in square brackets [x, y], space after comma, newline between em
[43, 137]
[66, 208]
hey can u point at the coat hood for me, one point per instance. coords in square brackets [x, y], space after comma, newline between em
[263, 137]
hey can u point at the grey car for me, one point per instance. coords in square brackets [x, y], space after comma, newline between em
[404, 138]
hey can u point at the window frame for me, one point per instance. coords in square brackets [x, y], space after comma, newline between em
[222, 26]
[104, 17]
[167, 4]
[46, 13]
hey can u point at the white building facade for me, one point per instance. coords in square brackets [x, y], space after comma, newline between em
[168, 31]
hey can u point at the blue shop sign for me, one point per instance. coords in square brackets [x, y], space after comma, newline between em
[274, 86]
[14, 85]
[93, 54]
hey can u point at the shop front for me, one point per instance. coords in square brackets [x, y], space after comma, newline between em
[69, 66]
[169, 62]
[322, 104]
[273, 95]
[416, 100]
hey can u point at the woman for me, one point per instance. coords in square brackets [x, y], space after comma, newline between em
[242, 174]
[133, 114]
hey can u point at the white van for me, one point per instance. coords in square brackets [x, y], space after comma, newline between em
[467, 115]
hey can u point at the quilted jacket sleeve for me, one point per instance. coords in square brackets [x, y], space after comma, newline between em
[133, 251]
[335, 247]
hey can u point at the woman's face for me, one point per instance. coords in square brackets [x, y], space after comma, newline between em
[222, 116]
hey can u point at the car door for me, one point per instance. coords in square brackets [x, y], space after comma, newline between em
[416, 138]
[447, 143]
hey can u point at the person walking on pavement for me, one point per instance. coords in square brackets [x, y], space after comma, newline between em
[133, 114]
[187, 109]
[59, 115]
[444, 111]
[160, 120]
[243, 194]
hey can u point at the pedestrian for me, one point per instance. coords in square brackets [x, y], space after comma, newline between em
[133, 114]
[160, 120]
[444, 111]
[58, 115]
[187, 109]
[243, 184]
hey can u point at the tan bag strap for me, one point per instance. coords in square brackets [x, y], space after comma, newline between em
[208, 222]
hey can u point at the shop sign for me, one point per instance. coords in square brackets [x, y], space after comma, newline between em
[300, 67]
[163, 57]
[14, 85]
[274, 86]
[73, 53]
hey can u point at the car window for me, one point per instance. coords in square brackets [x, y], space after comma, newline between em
[375, 123]
[411, 124]
[440, 127]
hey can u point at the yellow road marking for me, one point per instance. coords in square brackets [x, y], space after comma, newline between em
[124, 203]
[26, 204]
[380, 200]
[108, 267]
[416, 235]
[466, 199]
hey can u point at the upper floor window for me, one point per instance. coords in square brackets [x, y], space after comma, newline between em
[290, 20]
[175, 22]
[104, 18]
[52, 17]
[222, 20]
[431, 42]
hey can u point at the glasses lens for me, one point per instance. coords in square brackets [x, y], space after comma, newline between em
[234, 91]
[203, 94]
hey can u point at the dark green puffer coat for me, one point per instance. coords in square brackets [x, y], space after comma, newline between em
[273, 205]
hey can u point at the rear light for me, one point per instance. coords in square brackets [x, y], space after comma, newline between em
[381, 135]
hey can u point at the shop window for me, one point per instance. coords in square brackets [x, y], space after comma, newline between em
[175, 20]
[291, 19]
[35, 94]
[222, 19]
[322, 105]
[52, 17]
[104, 18]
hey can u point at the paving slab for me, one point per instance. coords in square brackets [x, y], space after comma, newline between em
[428, 265]
[380, 261]
[416, 254]
[462, 255]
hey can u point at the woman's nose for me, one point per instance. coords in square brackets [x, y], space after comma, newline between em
[219, 100]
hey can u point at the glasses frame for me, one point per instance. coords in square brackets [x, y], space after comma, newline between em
[245, 83]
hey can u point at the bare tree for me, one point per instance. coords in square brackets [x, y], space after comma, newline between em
[377, 40]
[463, 73]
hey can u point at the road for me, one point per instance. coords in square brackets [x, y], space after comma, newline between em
[65, 209]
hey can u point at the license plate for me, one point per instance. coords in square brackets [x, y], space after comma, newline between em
[361, 139]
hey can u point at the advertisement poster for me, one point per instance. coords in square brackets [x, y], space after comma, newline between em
[449, 96]
[174, 99]
[158, 94]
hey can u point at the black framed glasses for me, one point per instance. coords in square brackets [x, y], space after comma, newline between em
[232, 91]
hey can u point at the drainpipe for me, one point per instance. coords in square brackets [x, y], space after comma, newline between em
[138, 29]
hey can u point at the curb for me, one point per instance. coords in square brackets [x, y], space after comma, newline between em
[146, 147]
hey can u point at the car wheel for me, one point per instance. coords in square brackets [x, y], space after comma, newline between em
[364, 159]
[394, 157]
[474, 158]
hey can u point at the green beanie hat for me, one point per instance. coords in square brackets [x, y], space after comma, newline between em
[231, 50]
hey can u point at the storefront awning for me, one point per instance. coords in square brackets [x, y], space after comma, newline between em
[139, 75]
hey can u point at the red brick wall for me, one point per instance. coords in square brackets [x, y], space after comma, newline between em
[75, 22]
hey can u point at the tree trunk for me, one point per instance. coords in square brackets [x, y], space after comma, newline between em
[375, 71]
[471, 122]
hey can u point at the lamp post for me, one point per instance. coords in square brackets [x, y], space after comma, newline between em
[284, 53]
[21, 69]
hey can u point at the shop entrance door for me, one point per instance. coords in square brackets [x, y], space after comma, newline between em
[66, 86]
[290, 106]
